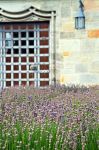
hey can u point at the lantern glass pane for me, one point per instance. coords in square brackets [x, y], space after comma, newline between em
[76, 22]
[80, 22]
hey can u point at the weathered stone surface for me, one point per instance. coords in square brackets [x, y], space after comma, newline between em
[76, 51]
[65, 7]
[81, 68]
[66, 53]
[91, 5]
[94, 67]
[67, 27]
[67, 35]
[70, 45]
[93, 33]
[89, 79]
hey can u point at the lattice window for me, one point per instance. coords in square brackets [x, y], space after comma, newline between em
[23, 45]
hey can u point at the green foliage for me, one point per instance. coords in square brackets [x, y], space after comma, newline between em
[57, 118]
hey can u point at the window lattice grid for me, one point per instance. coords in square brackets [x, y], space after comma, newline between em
[22, 46]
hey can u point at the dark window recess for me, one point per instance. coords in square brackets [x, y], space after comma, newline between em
[30, 26]
[31, 75]
[7, 27]
[44, 83]
[31, 42]
[44, 50]
[44, 67]
[16, 67]
[8, 83]
[44, 34]
[44, 75]
[23, 83]
[31, 34]
[8, 59]
[8, 51]
[15, 43]
[15, 27]
[31, 83]
[31, 59]
[15, 51]
[44, 59]
[16, 75]
[43, 42]
[23, 26]
[23, 51]
[15, 34]
[23, 34]
[23, 75]
[44, 25]
[8, 43]
[23, 43]
[23, 59]
[31, 50]
[23, 67]
[16, 83]
[8, 75]
[16, 59]
[8, 67]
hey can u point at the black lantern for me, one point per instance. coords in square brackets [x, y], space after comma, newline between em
[80, 18]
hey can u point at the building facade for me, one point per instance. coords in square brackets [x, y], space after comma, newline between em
[44, 42]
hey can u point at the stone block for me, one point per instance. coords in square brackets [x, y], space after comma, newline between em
[93, 33]
[71, 79]
[59, 56]
[94, 67]
[88, 46]
[70, 45]
[80, 34]
[91, 5]
[81, 68]
[67, 27]
[89, 79]
[62, 79]
[67, 35]
[66, 53]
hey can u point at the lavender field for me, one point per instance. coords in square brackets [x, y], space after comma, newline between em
[56, 118]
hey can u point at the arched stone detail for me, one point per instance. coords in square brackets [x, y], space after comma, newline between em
[30, 14]
[33, 14]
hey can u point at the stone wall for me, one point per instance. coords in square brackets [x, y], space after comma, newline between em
[77, 51]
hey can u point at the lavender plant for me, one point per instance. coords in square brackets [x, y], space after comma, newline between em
[56, 118]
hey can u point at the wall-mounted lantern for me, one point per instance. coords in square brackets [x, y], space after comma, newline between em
[80, 17]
